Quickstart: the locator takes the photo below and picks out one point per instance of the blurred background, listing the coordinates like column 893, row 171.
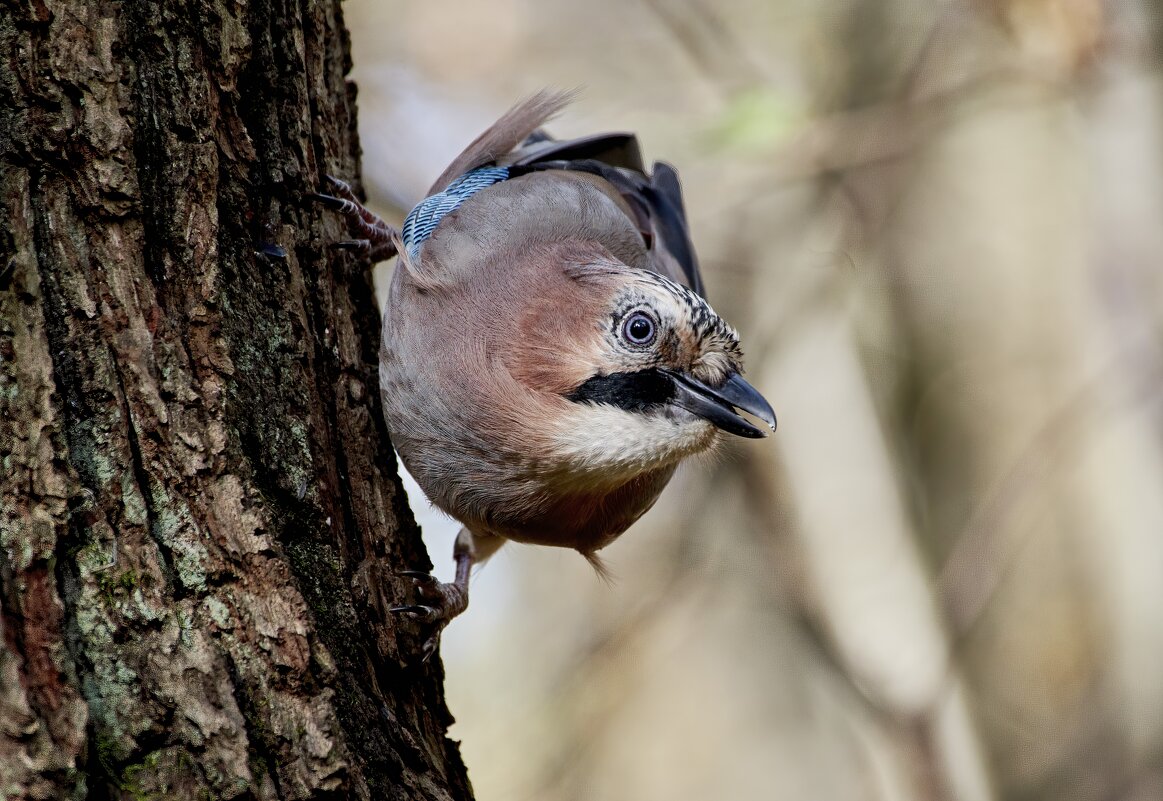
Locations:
column 938, row 227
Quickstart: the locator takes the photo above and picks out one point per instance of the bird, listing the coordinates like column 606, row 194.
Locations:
column 548, row 355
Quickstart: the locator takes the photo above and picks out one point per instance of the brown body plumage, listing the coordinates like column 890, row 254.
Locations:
column 547, row 357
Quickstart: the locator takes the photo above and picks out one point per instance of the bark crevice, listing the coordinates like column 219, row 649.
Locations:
column 196, row 422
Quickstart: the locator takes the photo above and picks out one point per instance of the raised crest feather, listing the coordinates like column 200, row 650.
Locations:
column 505, row 134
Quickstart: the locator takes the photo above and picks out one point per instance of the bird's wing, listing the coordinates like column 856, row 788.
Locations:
column 654, row 200
column 615, row 149
column 516, row 142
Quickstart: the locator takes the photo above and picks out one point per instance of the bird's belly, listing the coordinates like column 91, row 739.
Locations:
column 583, row 520
column 449, row 427
column 523, row 502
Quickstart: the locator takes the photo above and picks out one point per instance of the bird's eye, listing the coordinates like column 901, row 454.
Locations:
column 639, row 329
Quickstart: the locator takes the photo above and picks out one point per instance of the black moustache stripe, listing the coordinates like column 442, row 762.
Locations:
column 639, row 391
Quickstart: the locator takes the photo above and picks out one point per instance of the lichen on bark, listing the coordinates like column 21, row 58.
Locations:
column 200, row 518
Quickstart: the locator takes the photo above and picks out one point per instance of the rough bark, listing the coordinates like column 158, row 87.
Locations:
column 200, row 516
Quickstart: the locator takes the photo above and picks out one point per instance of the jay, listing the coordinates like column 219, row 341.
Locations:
column 548, row 355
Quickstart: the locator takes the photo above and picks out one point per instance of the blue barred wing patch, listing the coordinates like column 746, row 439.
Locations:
column 422, row 220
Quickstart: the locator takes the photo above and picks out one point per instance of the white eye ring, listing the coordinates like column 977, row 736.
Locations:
column 639, row 329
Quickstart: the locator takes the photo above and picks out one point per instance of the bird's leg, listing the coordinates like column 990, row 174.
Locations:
column 376, row 237
column 440, row 602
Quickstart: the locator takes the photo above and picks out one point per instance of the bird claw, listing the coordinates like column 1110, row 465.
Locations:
column 338, row 184
column 330, row 201
column 425, row 614
column 376, row 239
column 438, row 604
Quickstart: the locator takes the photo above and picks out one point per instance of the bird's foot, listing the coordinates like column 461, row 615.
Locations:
column 375, row 238
column 437, row 604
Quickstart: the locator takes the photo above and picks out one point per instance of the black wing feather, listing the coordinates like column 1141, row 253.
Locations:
column 655, row 199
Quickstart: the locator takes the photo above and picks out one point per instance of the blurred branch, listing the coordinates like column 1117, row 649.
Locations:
column 981, row 558
column 681, row 586
column 711, row 46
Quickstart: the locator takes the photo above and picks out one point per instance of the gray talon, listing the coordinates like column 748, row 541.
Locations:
column 419, row 611
column 419, row 575
column 376, row 238
column 330, row 201
column 437, row 602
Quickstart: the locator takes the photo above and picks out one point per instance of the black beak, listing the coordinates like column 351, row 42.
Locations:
column 721, row 405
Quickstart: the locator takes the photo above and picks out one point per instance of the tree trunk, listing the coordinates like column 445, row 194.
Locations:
column 200, row 517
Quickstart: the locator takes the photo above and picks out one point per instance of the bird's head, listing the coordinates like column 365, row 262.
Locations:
column 648, row 371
